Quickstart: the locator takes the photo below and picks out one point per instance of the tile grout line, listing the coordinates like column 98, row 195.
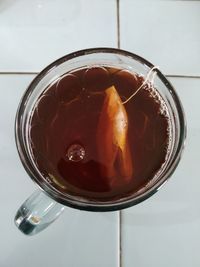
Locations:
column 118, row 24
column 18, row 72
column 182, row 76
column 120, row 238
column 120, row 212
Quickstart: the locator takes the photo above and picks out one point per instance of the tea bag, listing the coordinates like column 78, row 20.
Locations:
column 112, row 140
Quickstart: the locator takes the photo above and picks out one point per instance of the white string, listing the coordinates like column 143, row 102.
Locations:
column 145, row 81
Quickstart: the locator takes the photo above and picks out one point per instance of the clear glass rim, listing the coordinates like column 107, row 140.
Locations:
column 92, row 205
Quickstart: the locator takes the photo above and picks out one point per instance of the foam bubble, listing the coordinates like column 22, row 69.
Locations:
column 75, row 152
column 153, row 93
column 163, row 111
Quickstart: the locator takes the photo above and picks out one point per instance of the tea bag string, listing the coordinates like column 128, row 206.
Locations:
column 145, row 81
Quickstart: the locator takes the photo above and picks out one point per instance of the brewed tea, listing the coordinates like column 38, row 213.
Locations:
column 87, row 141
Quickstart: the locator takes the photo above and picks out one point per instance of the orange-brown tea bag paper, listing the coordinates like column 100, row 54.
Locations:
column 112, row 140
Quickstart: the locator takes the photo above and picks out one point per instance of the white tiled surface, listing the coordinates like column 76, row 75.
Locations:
column 165, row 32
column 76, row 239
column 162, row 231
column 34, row 33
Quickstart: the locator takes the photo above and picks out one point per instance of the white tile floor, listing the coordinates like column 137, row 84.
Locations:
column 165, row 32
column 35, row 33
column 75, row 239
column 162, row 231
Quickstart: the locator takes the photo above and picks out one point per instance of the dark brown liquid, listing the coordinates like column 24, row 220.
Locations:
column 64, row 125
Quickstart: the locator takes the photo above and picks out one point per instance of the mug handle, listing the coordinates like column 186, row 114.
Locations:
column 36, row 213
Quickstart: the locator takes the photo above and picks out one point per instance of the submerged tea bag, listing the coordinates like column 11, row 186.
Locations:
column 112, row 140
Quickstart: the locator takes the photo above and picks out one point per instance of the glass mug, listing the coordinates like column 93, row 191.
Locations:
column 46, row 204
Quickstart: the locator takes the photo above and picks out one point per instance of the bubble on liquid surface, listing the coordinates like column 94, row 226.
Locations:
column 163, row 110
column 75, row 152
